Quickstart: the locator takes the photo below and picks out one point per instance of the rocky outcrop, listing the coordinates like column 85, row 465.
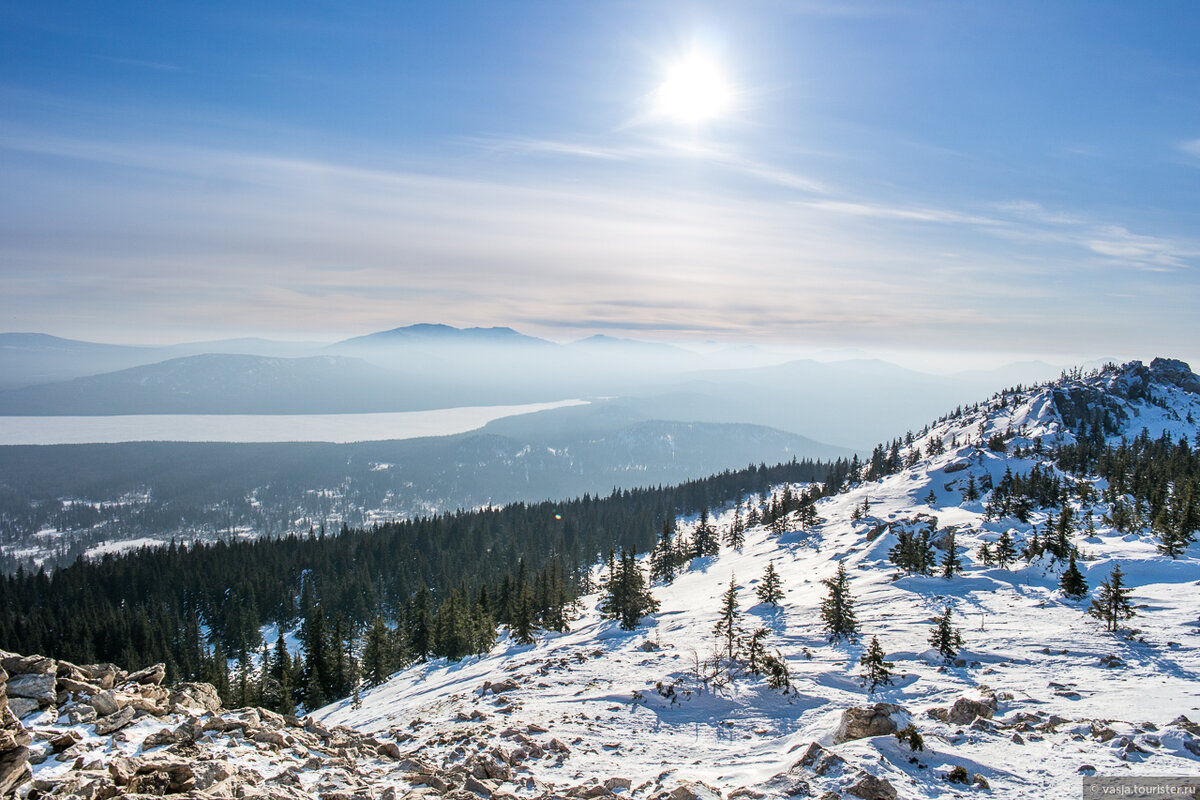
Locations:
column 834, row 774
column 965, row 710
column 862, row 722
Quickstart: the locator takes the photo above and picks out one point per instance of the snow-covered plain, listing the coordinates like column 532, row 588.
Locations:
column 337, row 428
column 1061, row 713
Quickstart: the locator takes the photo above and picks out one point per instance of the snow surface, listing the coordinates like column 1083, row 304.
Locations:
column 337, row 428
column 594, row 688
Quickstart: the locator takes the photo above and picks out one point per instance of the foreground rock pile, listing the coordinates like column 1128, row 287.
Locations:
column 96, row 732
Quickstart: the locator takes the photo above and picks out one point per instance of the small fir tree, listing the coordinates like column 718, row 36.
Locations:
column 972, row 492
column 946, row 638
column 770, row 590
column 876, row 670
column 627, row 599
column 728, row 626
column 704, row 541
column 1112, row 605
column 1072, row 582
column 735, row 537
column 837, row 609
column 664, row 559
column 1006, row 551
column 951, row 563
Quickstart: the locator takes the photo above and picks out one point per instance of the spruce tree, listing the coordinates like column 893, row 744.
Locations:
column 735, row 537
column 876, row 670
column 663, row 558
column 837, row 609
column 524, row 627
column 704, row 541
column 1072, row 582
column 951, row 563
column 627, row 599
column 946, row 639
column 377, row 660
column 770, row 589
column 1112, row 604
column 756, row 652
column 972, row 492
column 284, row 678
column 728, row 625
column 1005, row 550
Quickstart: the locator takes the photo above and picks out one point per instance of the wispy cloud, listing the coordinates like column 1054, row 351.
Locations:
column 177, row 237
column 1191, row 147
column 137, row 62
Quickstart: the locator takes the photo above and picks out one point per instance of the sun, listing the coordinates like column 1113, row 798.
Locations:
column 695, row 90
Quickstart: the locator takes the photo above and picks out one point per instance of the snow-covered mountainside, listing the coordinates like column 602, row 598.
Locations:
column 1039, row 694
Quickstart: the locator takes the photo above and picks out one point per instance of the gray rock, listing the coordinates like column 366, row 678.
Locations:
column 150, row 675
column 27, row 665
column 34, row 686
column 106, row 703
column 869, row 787
column 114, row 722
column 820, row 761
column 195, row 695
column 80, row 714
column 862, row 722
column 104, row 675
column 965, row 710
column 22, row 706
column 14, row 770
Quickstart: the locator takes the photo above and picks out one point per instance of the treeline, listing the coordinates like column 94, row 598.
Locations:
column 439, row 585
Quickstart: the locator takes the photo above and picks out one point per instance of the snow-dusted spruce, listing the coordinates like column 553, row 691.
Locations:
column 877, row 671
column 1072, row 582
column 1111, row 604
column 770, row 589
column 729, row 624
column 946, row 638
column 626, row 596
column 837, row 609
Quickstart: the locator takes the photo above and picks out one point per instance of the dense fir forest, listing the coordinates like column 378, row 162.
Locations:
column 402, row 591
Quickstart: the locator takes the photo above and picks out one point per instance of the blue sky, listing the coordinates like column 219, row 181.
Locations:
column 1002, row 179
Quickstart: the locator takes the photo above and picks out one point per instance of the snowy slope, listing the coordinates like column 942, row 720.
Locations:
column 1060, row 709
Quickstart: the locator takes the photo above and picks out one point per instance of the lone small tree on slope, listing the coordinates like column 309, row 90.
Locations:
column 771, row 589
column 1112, row 604
column 946, row 638
column 1072, row 582
column 837, row 609
column 876, row 671
column 728, row 624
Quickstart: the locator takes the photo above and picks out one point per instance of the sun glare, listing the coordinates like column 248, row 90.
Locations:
column 695, row 90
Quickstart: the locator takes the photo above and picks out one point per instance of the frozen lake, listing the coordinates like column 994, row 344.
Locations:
column 259, row 428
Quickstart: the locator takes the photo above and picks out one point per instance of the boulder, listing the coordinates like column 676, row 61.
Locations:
column 506, row 685
column 195, row 695
column 22, row 706
column 79, row 687
column 107, row 703
column 965, row 710
column 14, row 770
column 79, row 714
column 862, row 722
column 114, row 722
column 28, row 665
column 870, row 787
column 820, row 761
column 34, row 686
column 694, row 790
column 104, row 675
column 152, row 675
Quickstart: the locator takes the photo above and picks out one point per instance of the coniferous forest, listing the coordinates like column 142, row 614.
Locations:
column 397, row 592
